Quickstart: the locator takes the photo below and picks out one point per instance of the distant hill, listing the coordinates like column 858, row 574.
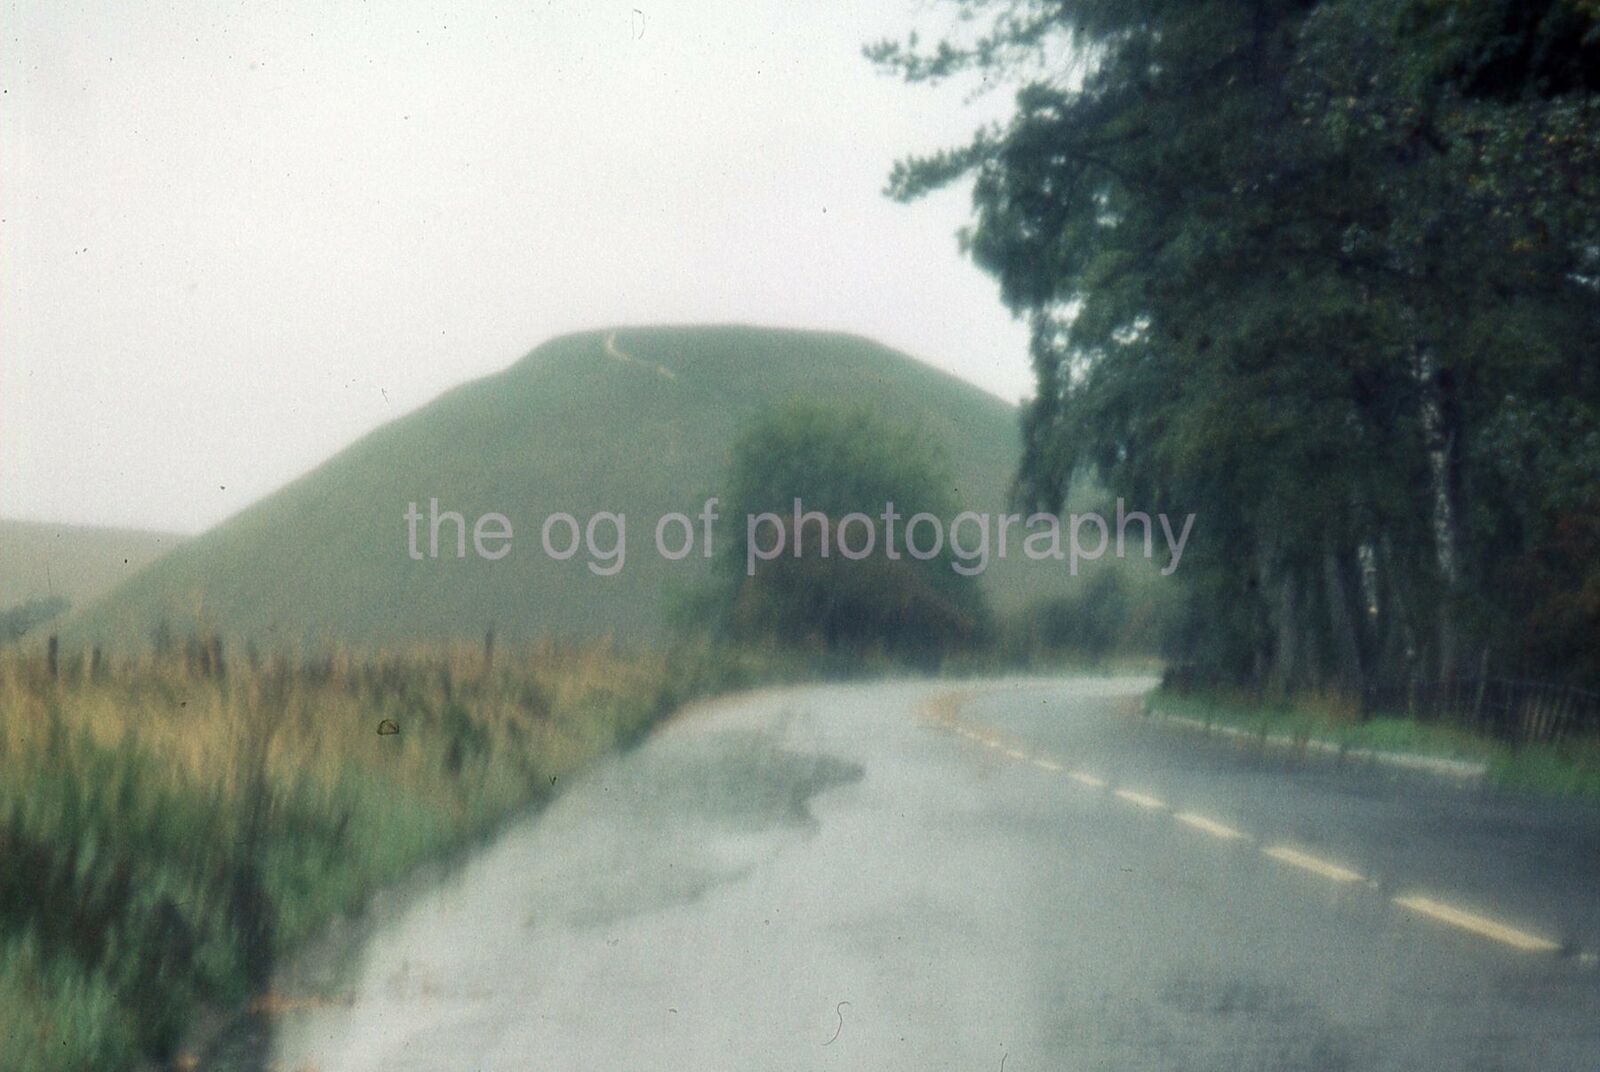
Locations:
column 639, row 421
column 43, row 560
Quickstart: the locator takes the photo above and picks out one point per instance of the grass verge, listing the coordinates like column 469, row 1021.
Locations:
column 1569, row 769
column 168, row 833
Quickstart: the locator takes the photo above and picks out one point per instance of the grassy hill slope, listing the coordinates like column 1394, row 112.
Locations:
column 40, row 560
column 640, row 422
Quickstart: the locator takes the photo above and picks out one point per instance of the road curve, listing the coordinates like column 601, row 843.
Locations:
column 1018, row 875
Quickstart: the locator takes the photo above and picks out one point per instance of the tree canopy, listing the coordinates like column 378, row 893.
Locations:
column 1326, row 272
column 838, row 462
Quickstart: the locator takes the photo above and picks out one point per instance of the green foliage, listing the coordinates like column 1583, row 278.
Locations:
column 1100, row 621
column 837, row 461
column 1308, row 268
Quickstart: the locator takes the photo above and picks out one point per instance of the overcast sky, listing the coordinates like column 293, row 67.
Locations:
column 233, row 238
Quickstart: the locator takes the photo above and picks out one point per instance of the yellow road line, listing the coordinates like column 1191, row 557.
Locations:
column 1315, row 865
column 1210, row 826
column 1456, row 917
column 1479, row 925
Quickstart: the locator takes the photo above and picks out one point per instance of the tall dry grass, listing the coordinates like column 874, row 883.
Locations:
column 171, row 825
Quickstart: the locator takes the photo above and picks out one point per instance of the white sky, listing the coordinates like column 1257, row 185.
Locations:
column 235, row 237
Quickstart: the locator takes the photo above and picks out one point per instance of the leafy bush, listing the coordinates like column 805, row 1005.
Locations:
column 839, row 461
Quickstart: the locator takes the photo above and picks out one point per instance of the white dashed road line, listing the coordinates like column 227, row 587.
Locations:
column 1140, row 799
column 1316, row 865
column 1209, row 826
column 1479, row 925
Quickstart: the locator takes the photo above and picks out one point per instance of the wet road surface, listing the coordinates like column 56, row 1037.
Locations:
column 1015, row 875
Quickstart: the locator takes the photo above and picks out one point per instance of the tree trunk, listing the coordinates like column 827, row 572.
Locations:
column 1285, row 655
column 1344, row 626
column 1449, row 526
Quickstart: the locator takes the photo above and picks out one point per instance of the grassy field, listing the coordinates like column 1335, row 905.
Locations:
column 170, row 828
column 1570, row 769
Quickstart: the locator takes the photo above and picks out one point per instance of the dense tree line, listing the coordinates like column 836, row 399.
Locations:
column 1326, row 272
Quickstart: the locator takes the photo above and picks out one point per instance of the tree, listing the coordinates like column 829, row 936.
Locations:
column 1304, row 268
column 838, row 462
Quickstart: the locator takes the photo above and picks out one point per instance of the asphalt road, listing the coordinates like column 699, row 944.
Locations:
column 1015, row 876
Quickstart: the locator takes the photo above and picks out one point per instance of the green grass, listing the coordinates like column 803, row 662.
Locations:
column 567, row 428
column 166, row 836
column 1570, row 769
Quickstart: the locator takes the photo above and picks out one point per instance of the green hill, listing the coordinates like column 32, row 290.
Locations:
column 639, row 421
column 44, row 560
